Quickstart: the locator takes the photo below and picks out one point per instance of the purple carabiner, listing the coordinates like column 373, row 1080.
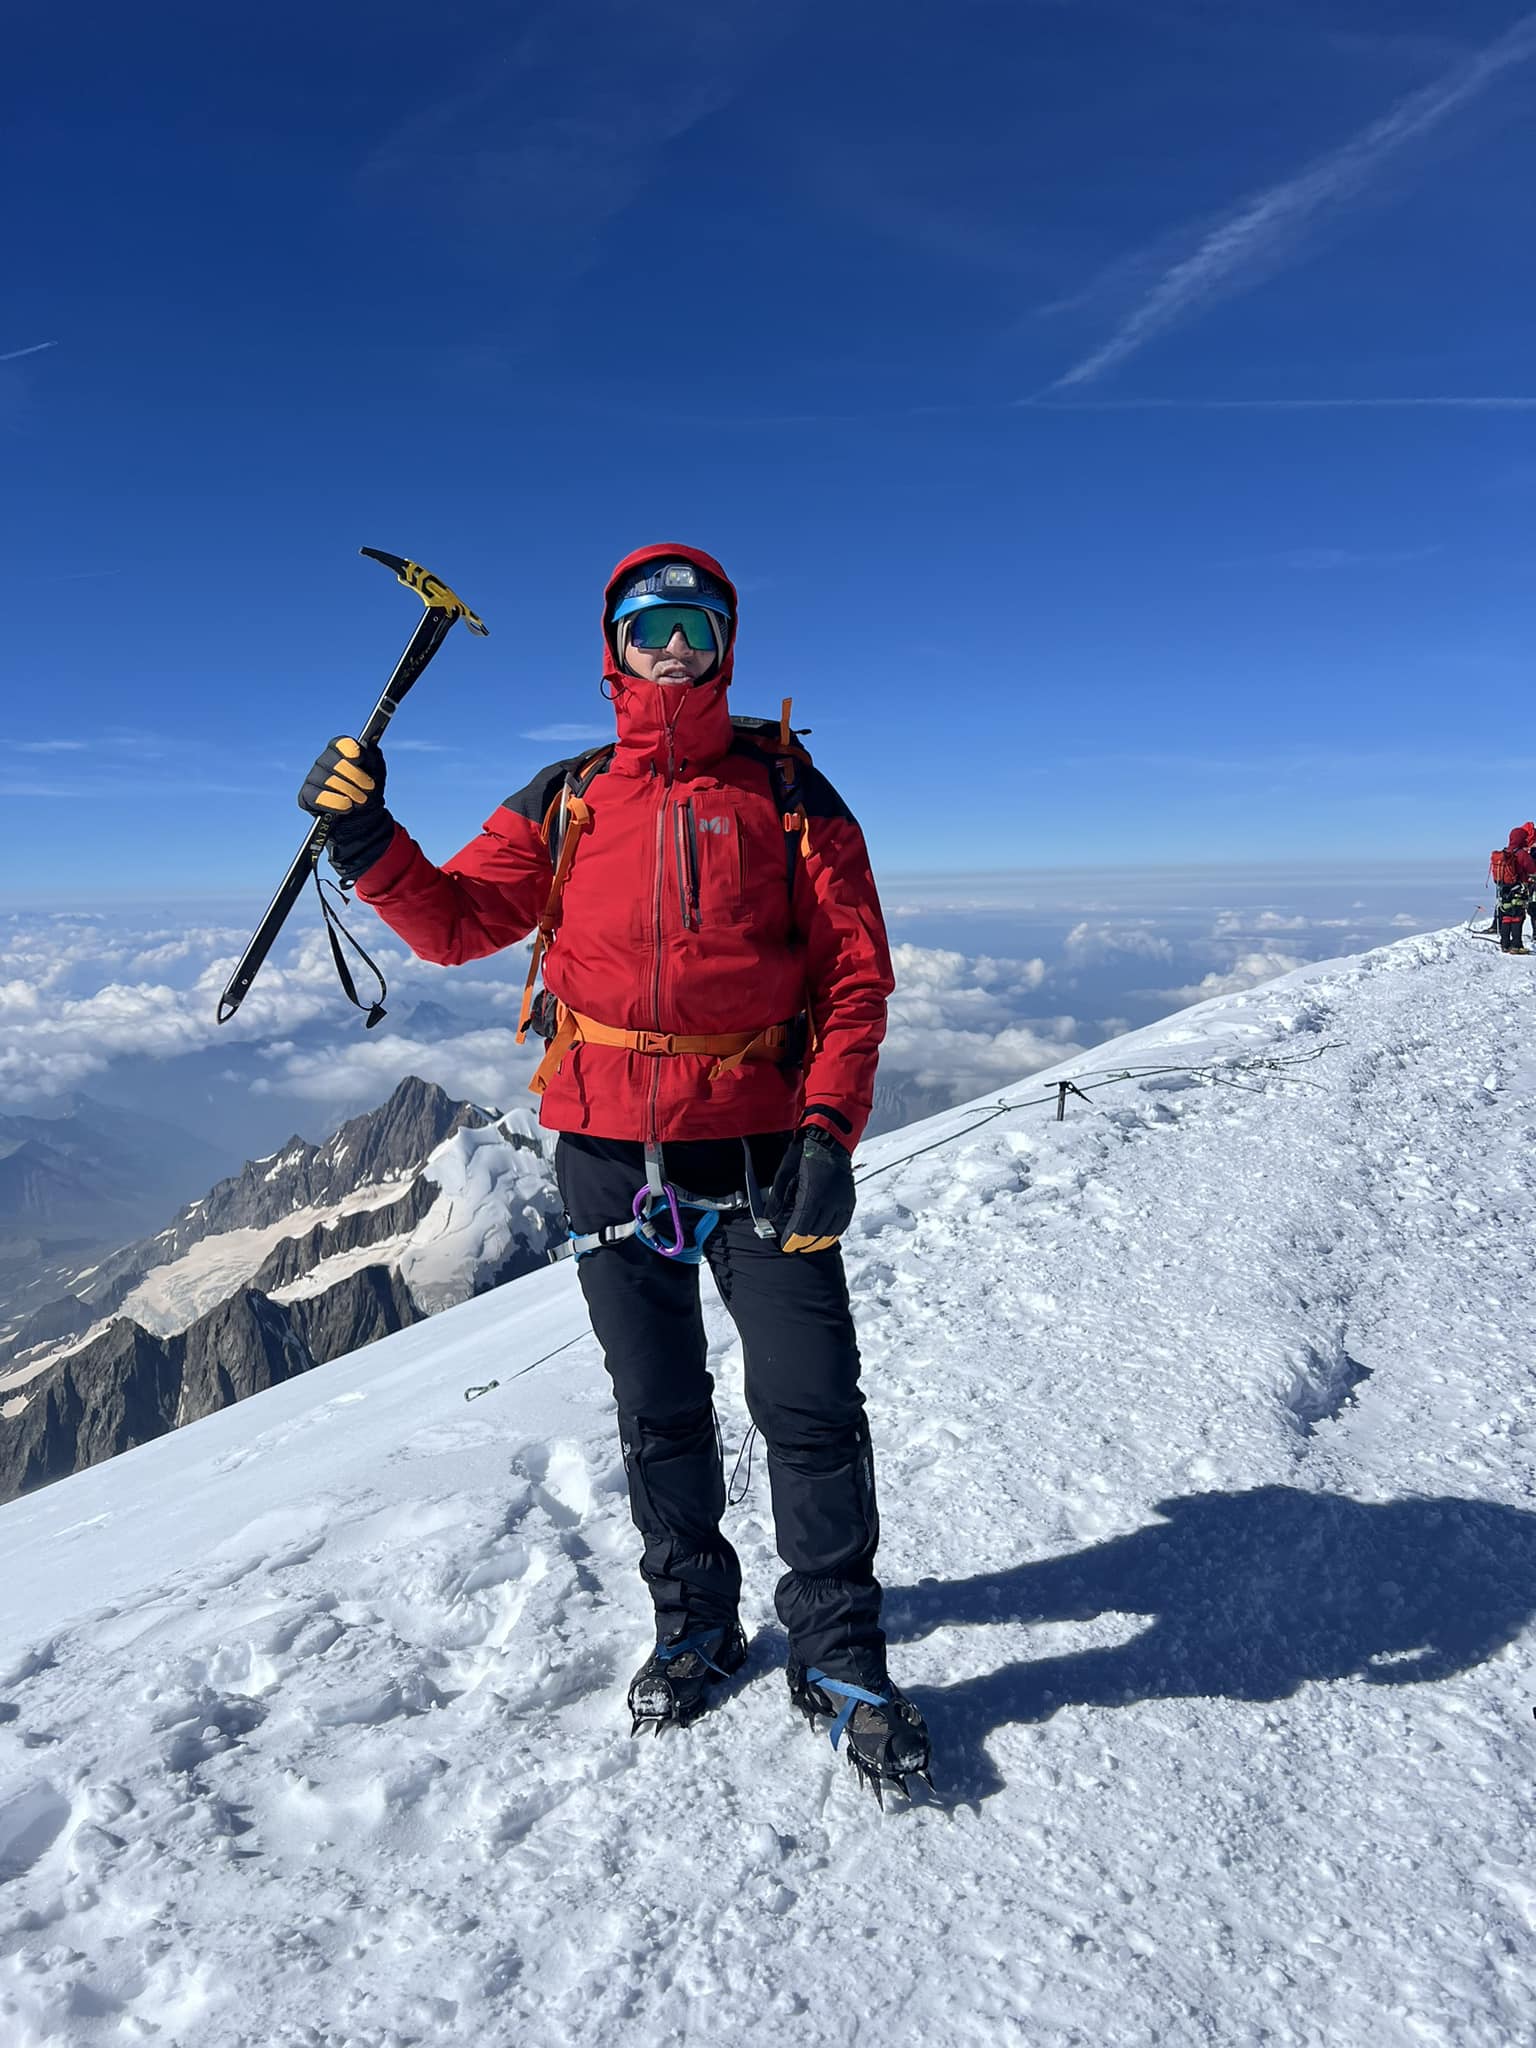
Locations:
column 668, row 1251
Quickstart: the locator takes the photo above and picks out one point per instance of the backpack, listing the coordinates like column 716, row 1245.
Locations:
column 1503, row 868
column 777, row 745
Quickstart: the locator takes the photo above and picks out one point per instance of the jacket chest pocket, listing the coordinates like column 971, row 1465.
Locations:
column 732, row 865
column 714, row 860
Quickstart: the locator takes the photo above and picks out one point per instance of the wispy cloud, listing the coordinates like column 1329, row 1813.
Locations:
column 49, row 746
column 14, row 355
column 1492, row 402
column 1308, row 559
column 545, row 139
column 568, row 735
column 1256, row 240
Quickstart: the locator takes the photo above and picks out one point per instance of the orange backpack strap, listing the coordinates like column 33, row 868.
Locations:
column 786, row 783
column 728, row 1049
column 568, row 816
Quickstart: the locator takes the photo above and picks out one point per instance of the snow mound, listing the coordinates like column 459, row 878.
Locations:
column 496, row 1195
column 1207, row 1443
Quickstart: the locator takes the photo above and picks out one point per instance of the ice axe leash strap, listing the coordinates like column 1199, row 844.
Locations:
column 336, row 931
column 443, row 607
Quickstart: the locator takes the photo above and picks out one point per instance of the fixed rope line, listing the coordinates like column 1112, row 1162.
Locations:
column 474, row 1393
column 1209, row 1070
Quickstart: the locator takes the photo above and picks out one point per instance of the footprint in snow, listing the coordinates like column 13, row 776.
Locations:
column 403, row 1700
column 31, row 1664
column 561, row 1481
column 31, row 1821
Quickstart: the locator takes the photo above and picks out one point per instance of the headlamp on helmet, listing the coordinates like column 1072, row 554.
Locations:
column 671, row 585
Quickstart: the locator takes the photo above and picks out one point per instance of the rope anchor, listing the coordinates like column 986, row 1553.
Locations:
column 1063, row 1090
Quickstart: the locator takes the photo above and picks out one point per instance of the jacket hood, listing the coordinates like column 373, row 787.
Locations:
column 662, row 724
column 1520, row 836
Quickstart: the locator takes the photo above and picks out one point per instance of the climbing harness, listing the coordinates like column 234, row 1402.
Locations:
column 659, row 1205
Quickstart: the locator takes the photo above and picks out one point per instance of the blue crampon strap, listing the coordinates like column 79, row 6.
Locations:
column 668, row 1653
column 851, row 1696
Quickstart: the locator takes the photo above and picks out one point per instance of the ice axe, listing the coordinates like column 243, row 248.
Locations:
column 442, row 609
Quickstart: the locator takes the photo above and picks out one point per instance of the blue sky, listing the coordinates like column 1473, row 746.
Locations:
column 1102, row 407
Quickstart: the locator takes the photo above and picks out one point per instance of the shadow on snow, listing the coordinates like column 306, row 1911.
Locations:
column 1251, row 1594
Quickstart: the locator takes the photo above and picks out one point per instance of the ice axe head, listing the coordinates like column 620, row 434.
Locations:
column 432, row 591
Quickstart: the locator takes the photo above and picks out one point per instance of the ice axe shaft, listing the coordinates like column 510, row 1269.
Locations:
column 443, row 608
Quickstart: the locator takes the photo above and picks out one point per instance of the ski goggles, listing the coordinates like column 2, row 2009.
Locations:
column 653, row 626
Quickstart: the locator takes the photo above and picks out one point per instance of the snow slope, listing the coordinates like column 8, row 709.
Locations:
column 1205, row 1429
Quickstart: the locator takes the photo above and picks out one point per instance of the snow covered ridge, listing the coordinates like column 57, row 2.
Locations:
column 1206, row 1434
column 447, row 1203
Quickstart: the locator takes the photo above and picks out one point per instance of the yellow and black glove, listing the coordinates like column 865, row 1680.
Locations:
column 810, row 1204
column 346, row 787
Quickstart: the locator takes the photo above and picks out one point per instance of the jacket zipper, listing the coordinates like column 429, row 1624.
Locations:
column 688, row 843
column 661, row 873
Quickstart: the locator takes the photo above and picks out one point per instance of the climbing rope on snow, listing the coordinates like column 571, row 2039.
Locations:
column 474, row 1393
column 1217, row 1073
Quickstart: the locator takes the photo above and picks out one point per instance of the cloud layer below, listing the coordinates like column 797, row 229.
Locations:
column 998, row 977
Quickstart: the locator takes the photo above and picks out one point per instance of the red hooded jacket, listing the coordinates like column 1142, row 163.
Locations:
column 1521, row 851
column 676, row 917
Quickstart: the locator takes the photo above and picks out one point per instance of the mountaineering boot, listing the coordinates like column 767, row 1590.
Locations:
column 887, row 1736
column 673, row 1685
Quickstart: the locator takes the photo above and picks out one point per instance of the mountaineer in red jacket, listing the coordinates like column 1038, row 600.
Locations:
column 715, row 982
column 1513, row 868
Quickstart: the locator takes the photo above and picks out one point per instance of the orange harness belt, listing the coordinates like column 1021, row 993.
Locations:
column 729, row 1048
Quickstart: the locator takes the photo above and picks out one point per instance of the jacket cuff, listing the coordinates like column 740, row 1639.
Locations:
column 832, row 1121
column 374, row 863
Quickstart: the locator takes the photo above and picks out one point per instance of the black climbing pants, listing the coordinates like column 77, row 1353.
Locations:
column 802, row 1387
column 1512, row 901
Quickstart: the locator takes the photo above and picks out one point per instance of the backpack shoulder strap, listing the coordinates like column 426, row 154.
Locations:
column 577, row 780
column 779, row 746
column 566, row 818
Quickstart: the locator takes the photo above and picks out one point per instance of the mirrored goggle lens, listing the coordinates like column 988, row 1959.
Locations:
column 653, row 627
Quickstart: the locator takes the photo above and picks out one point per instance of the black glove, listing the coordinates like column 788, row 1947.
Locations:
column 810, row 1204
column 346, row 786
